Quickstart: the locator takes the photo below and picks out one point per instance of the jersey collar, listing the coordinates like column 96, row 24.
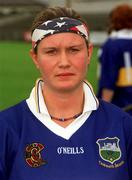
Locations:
column 121, row 34
column 38, row 107
column 90, row 102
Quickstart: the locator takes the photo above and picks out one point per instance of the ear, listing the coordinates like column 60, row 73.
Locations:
column 90, row 50
column 34, row 58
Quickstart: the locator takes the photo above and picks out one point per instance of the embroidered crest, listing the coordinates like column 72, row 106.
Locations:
column 33, row 155
column 109, row 149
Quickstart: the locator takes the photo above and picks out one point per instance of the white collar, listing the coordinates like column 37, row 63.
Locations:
column 122, row 34
column 38, row 107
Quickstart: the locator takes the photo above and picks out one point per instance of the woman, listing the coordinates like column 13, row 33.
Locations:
column 62, row 131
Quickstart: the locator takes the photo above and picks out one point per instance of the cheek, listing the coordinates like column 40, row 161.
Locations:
column 44, row 66
column 82, row 63
column 45, row 69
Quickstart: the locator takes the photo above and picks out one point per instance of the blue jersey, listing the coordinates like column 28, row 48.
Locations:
column 116, row 70
column 100, row 149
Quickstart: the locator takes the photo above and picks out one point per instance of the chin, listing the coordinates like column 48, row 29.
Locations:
column 67, row 87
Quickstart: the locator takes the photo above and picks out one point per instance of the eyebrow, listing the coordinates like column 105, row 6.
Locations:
column 76, row 45
column 71, row 46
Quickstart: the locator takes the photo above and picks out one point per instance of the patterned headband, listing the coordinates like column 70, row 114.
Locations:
column 59, row 25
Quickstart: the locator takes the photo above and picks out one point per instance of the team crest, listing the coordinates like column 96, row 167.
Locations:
column 109, row 149
column 33, row 155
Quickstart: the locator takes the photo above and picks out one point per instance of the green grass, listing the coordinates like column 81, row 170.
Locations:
column 18, row 74
column 92, row 70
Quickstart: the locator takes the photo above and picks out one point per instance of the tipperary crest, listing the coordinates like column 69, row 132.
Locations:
column 33, row 155
column 109, row 149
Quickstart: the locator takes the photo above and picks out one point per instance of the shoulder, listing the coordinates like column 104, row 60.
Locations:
column 111, row 108
column 109, row 43
column 114, row 114
column 109, row 116
column 13, row 109
column 14, row 114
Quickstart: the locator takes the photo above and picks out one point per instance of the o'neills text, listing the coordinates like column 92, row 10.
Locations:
column 70, row 150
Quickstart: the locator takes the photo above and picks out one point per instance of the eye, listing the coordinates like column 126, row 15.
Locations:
column 51, row 52
column 74, row 50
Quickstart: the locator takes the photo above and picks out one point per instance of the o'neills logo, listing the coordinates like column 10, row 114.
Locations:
column 33, row 155
column 70, row 150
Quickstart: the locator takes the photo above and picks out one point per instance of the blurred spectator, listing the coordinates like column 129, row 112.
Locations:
column 115, row 59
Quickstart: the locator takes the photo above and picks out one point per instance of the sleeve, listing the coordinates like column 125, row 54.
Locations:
column 109, row 63
column 8, row 148
column 128, row 137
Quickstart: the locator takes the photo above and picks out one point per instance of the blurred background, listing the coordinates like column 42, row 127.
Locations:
column 17, row 72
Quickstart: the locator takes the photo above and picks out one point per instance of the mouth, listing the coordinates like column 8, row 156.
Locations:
column 65, row 74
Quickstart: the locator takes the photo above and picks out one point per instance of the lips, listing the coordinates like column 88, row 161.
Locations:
column 65, row 74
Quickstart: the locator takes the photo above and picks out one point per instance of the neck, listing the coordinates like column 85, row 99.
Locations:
column 64, row 105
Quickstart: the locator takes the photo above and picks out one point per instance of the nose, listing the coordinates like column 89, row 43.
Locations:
column 64, row 60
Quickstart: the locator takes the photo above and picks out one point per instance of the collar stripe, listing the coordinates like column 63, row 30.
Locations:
column 96, row 100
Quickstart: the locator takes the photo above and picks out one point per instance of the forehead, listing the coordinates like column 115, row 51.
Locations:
column 65, row 39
